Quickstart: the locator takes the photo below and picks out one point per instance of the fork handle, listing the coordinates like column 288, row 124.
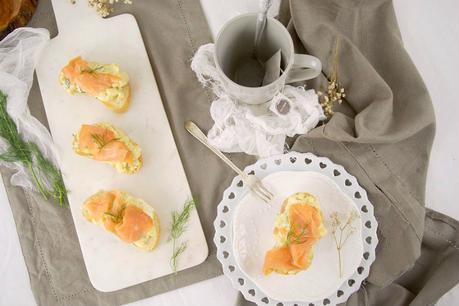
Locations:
column 194, row 130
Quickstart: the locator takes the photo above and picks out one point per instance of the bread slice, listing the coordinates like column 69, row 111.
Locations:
column 121, row 103
column 122, row 167
column 80, row 76
column 293, row 249
column 282, row 225
column 107, row 209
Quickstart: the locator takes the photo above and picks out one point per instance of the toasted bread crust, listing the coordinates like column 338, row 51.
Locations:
column 138, row 203
column 116, row 105
column 125, row 104
column 138, row 160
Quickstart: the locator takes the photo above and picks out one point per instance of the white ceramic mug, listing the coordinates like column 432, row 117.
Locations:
column 235, row 41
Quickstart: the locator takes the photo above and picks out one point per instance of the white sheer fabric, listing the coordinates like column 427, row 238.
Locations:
column 255, row 129
column 19, row 53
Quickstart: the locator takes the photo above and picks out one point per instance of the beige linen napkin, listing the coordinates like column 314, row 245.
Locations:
column 382, row 134
column 384, row 130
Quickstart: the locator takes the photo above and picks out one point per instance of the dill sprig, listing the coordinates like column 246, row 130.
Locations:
column 178, row 227
column 293, row 237
column 101, row 141
column 46, row 177
column 92, row 70
column 179, row 220
column 115, row 218
column 176, row 252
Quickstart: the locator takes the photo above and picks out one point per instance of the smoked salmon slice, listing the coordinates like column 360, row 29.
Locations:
column 305, row 221
column 100, row 204
column 134, row 225
column 297, row 230
column 130, row 219
column 114, row 151
column 278, row 259
column 301, row 253
column 92, row 136
column 103, row 142
column 105, row 82
column 89, row 80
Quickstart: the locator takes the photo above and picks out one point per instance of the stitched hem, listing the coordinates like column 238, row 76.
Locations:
column 71, row 296
column 40, row 250
column 391, row 202
column 442, row 237
column 383, row 161
column 185, row 22
column 191, row 41
column 59, row 299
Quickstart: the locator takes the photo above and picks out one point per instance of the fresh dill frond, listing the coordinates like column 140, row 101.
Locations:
column 293, row 237
column 101, row 141
column 179, row 220
column 115, row 218
column 92, row 70
column 178, row 227
column 176, row 252
column 46, row 177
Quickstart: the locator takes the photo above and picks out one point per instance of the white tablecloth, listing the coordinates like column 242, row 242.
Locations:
column 431, row 33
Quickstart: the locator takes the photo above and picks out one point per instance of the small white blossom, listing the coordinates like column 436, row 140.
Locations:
column 341, row 229
column 103, row 7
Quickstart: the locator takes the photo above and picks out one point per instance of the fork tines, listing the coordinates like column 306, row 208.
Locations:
column 262, row 192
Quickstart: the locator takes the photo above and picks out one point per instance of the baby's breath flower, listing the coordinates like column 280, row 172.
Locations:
column 335, row 92
column 341, row 229
column 104, row 7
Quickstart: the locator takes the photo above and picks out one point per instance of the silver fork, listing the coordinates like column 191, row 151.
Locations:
column 250, row 180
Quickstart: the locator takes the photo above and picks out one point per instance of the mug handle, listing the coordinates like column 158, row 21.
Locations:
column 305, row 67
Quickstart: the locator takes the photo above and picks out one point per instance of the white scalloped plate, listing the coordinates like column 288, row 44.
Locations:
column 304, row 171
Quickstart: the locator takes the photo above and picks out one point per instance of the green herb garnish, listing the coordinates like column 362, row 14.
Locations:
column 92, row 70
column 178, row 226
column 101, row 141
column 176, row 252
column 115, row 218
column 293, row 237
column 46, row 177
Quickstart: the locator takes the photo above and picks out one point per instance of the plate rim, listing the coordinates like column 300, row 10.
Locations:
column 294, row 161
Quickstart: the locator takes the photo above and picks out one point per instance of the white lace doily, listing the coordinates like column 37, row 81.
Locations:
column 293, row 161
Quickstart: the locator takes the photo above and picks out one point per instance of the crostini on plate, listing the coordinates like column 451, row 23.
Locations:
column 297, row 229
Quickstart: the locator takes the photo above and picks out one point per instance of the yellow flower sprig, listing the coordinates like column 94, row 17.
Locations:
column 335, row 92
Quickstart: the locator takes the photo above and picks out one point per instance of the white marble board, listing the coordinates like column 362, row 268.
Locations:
column 112, row 264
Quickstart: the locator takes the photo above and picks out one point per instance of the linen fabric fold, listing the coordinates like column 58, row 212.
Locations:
column 383, row 131
column 382, row 134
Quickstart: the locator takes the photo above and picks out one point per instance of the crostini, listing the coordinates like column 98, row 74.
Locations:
column 104, row 142
column 297, row 229
column 105, row 82
column 129, row 218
